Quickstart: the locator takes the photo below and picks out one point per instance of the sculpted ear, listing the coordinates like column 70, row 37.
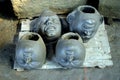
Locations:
column 102, row 19
column 70, row 17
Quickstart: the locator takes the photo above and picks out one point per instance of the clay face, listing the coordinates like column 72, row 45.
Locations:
column 84, row 20
column 30, row 51
column 48, row 24
column 70, row 51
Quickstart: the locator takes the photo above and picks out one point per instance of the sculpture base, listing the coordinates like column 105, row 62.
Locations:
column 97, row 50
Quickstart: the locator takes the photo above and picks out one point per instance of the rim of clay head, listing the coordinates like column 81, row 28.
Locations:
column 71, row 35
column 87, row 9
column 31, row 36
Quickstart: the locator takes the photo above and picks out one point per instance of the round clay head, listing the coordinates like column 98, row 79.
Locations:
column 30, row 51
column 48, row 24
column 70, row 51
column 85, row 20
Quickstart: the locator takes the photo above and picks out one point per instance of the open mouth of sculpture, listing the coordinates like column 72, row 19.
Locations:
column 70, row 36
column 33, row 37
column 87, row 10
column 73, row 37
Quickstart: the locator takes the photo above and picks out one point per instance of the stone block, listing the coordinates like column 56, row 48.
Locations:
column 32, row 8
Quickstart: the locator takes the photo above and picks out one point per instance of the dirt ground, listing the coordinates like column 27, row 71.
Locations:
column 7, row 49
column 8, row 28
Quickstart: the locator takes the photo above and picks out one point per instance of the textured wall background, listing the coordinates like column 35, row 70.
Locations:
column 110, row 8
column 32, row 8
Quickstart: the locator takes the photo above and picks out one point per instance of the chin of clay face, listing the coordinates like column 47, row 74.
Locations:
column 49, row 25
column 85, row 20
column 70, row 51
column 30, row 51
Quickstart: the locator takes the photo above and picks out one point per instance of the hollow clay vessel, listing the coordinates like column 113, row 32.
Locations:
column 48, row 25
column 85, row 20
column 70, row 52
column 30, row 51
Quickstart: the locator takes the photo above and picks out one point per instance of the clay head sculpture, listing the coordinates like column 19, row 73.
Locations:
column 30, row 51
column 70, row 52
column 85, row 20
column 48, row 24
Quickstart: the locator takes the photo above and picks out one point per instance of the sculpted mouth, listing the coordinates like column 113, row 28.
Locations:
column 49, row 28
column 87, row 36
column 50, row 31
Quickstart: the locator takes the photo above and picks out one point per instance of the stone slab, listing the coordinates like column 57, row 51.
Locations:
column 97, row 51
column 25, row 26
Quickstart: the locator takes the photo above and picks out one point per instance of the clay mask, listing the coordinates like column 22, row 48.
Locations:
column 85, row 20
column 48, row 24
column 70, row 51
column 30, row 51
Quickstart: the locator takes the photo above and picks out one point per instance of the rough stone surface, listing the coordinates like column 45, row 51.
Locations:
column 7, row 29
column 110, row 8
column 97, row 49
column 25, row 26
column 32, row 8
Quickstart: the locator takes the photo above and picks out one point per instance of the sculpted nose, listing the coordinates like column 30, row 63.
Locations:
column 87, row 32
column 70, row 55
column 49, row 22
column 28, row 60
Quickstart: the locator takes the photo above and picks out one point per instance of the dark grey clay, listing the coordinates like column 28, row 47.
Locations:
column 48, row 25
column 30, row 51
column 70, row 51
column 85, row 20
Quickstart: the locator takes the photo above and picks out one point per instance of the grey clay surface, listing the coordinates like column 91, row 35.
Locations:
column 84, row 20
column 70, row 52
column 30, row 51
column 48, row 25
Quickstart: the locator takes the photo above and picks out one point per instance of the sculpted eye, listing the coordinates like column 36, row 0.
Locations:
column 45, row 22
column 53, row 20
column 63, row 60
column 84, row 27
